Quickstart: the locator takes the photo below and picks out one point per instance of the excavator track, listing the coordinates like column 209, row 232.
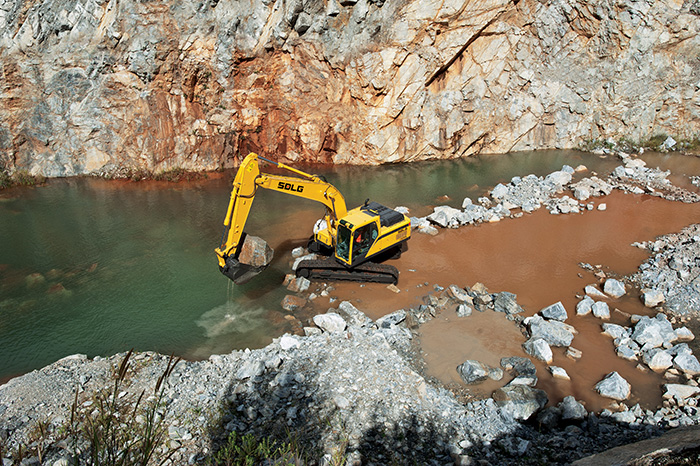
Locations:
column 329, row 269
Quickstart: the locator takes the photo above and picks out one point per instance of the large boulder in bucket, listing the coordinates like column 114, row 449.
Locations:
column 254, row 257
column 255, row 252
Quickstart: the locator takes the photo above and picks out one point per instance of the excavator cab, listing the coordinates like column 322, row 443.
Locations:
column 368, row 231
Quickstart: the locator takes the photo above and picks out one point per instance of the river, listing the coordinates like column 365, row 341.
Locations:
column 97, row 267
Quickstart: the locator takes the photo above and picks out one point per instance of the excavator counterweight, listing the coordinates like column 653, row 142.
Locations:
column 356, row 239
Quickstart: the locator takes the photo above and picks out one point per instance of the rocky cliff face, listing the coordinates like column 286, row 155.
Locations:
column 112, row 86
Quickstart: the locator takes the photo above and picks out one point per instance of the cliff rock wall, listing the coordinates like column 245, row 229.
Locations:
column 115, row 86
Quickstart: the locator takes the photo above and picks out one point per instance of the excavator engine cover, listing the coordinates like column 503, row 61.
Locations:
column 239, row 272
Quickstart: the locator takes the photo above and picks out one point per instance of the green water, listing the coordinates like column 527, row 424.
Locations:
column 98, row 267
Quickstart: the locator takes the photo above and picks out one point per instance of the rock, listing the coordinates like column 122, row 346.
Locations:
column 684, row 334
column 499, row 192
column 558, row 179
column 549, row 417
column 584, row 306
column 299, row 260
column 594, row 292
column 559, row 373
column 614, row 330
column 668, row 143
column 428, row 230
column 614, row 386
column 572, row 410
column 582, row 193
column 250, row 369
column 523, row 380
column 624, row 417
column 59, row 290
column 393, row 288
column 519, row 366
column 330, row 322
column 573, row 353
column 555, row 311
column 293, row 303
column 681, row 348
column 601, row 310
column 538, row 348
column 554, row 333
column 653, row 331
column 298, row 284
column 459, row 294
column 495, row 373
column 679, row 391
column 312, row 331
column 395, row 318
column 627, row 352
column 473, row 372
column 352, row 315
column 687, row 363
column 255, row 251
column 658, row 360
column 614, row 288
column 506, row 302
column 111, row 104
column 444, row 216
column 652, row 298
column 602, row 206
column 464, row 311
column 520, row 401
column 288, row 342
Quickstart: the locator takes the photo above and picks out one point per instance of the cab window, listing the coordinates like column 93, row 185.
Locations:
column 343, row 247
column 363, row 239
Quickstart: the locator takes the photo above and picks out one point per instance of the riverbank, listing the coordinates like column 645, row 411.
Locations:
column 354, row 387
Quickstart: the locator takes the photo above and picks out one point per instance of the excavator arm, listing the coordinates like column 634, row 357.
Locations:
column 245, row 185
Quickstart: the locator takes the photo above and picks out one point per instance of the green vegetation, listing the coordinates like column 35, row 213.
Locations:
column 691, row 146
column 655, row 141
column 178, row 174
column 246, row 450
column 19, row 178
column 113, row 428
column 121, row 431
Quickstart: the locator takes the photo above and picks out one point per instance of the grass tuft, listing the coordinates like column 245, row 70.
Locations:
column 122, row 431
column 246, row 450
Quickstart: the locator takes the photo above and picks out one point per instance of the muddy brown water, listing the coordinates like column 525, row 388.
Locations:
column 536, row 257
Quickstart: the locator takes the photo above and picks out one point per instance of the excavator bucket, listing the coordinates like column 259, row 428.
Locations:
column 254, row 257
column 239, row 272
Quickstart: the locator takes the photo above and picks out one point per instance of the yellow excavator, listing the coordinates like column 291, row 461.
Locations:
column 354, row 241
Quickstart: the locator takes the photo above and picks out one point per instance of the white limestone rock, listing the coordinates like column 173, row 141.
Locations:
column 614, row 386
column 614, row 288
column 330, row 322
